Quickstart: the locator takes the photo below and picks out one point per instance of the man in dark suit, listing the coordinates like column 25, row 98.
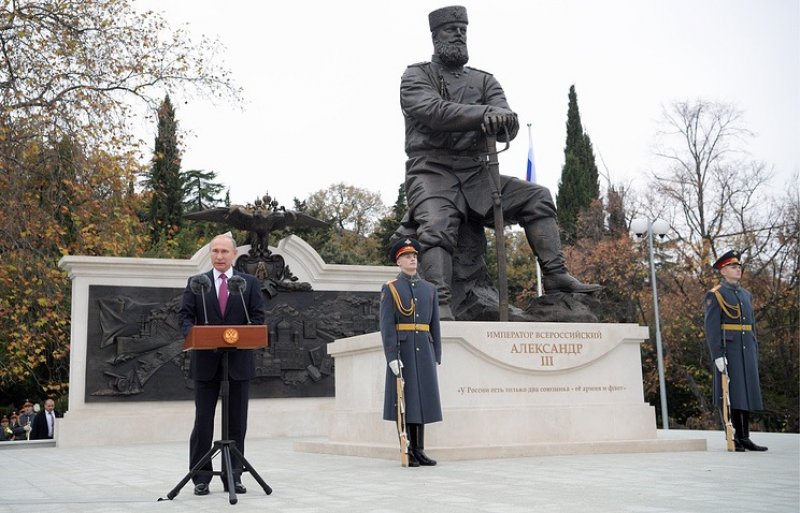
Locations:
column 43, row 427
column 206, row 365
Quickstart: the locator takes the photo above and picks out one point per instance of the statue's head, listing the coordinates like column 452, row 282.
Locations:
column 449, row 34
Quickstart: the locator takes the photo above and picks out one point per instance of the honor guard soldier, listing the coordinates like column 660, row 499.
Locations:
column 409, row 321
column 731, row 336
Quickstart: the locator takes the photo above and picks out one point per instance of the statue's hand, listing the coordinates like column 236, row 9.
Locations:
column 500, row 121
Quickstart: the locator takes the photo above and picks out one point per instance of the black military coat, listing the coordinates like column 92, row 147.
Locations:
column 731, row 332
column 420, row 351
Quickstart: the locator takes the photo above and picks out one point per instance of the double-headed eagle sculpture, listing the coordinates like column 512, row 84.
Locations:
column 259, row 219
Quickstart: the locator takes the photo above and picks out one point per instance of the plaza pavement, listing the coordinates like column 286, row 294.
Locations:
column 133, row 478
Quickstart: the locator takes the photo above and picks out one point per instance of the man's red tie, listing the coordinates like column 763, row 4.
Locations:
column 223, row 293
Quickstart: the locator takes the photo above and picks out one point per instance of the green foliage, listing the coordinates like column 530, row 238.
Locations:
column 388, row 224
column 200, row 190
column 578, row 186
column 351, row 214
column 164, row 180
column 57, row 201
column 71, row 75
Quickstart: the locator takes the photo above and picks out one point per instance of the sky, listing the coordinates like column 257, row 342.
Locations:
column 321, row 84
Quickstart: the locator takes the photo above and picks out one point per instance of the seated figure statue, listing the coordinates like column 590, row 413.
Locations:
column 449, row 110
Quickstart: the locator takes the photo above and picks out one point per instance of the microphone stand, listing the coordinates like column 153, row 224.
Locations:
column 225, row 446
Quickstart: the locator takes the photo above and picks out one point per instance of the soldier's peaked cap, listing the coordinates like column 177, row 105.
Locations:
column 402, row 246
column 731, row 257
column 451, row 14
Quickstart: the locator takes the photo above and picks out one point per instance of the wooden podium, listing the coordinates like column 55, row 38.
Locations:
column 246, row 336
column 227, row 339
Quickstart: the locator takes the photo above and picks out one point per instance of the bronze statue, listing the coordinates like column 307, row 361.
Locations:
column 449, row 110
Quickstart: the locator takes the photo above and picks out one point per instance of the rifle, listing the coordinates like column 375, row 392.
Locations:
column 725, row 382
column 402, row 434
column 499, row 224
column 726, row 410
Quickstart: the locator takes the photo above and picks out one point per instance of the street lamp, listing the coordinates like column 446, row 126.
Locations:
column 645, row 228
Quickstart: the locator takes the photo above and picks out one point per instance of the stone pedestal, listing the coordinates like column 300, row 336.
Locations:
column 507, row 389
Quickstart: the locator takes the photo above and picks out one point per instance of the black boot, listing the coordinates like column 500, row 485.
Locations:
column 436, row 266
column 419, row 448
column 544, row 238
column 738, row 430
column 734, row 422
column 411, row 430
column 746, row 442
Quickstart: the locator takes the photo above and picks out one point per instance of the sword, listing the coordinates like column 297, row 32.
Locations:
column 499, row 224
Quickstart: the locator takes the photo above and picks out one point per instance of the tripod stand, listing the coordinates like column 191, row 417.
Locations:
column 224, row 448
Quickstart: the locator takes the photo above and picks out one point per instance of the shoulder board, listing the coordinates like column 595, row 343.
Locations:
column 478, row 70
column 419, row 64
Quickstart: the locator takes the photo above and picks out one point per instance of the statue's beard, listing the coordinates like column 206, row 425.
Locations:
column 454, row 54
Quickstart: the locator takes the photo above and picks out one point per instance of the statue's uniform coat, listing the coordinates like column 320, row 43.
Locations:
column 446, row 151
column 741, row 347
column 420, row 351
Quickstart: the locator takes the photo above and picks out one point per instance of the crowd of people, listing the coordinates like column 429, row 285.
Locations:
column 30, row 422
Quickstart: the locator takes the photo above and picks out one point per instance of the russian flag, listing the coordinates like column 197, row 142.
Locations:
column 531, row 173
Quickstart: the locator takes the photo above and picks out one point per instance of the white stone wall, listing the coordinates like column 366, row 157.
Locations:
column 147, row 422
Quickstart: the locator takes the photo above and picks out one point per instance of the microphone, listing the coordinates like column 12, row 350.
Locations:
column 237, row 285
column 199, row 285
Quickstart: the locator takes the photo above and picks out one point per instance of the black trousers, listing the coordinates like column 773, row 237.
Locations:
column 206, row 394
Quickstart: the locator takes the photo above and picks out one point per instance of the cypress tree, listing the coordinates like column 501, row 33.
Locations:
column 578, row 185
column 164, row 179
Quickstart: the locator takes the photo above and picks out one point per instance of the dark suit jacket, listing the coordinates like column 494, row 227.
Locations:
column 39, row 425
column 205, row 364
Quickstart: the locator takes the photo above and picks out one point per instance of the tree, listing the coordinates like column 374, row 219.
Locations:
column 578, row 185
column 73, row 75
column 164, row 179
column 74, row 67
column 347, row 207
column 200, row 190
column 712, row 195
column 391, row 221
column 352, row 214
column 63, row 200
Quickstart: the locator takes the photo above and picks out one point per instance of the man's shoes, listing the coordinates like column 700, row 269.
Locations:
column 412, row 459
column 737, row 445
column 239, row 488
column 423, row 458
column 750, row 446
column 201, row 489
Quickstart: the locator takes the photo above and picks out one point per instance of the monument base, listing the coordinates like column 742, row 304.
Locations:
column 445, row 453
column 507, row 390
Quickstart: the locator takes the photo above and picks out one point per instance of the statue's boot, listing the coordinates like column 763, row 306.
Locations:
column 437, row 268
column 545, row 240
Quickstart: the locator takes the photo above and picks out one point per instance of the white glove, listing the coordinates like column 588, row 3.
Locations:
column 396, row 365
column 27, row 427
column 721, row 362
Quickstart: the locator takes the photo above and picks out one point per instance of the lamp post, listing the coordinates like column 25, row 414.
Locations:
column 646, row 228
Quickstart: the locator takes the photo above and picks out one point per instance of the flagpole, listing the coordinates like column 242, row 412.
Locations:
column 531, row 177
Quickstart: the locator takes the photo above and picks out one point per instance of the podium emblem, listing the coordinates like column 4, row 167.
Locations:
column 230, row 336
